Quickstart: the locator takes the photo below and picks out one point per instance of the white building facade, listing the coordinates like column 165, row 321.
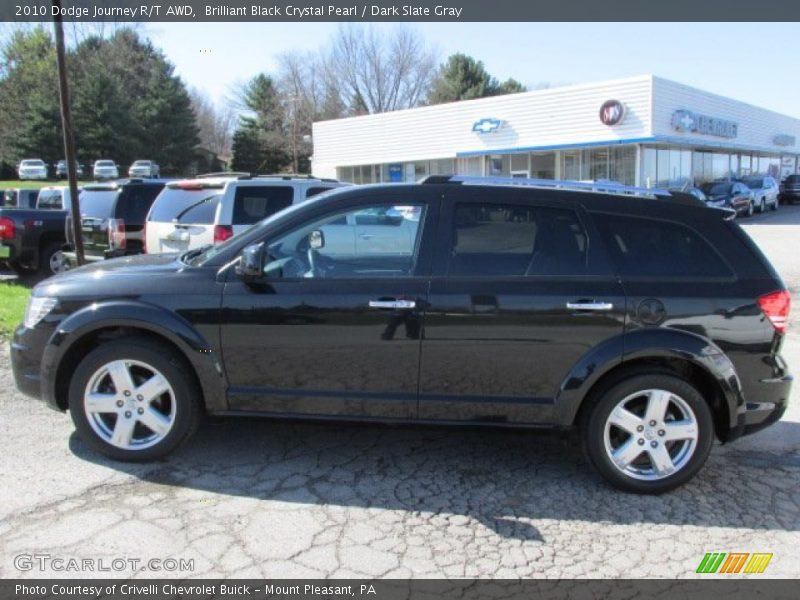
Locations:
column 644, row 131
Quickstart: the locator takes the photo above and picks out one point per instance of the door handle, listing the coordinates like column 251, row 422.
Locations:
column 590, row 305
column 392, row 304
column 366, row 236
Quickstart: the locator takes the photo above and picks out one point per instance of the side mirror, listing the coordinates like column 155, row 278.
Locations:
column 251, row 262
column 316, row 239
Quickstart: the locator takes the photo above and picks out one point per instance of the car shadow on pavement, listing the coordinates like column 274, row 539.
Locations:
column 788, row 214
column 506, row 480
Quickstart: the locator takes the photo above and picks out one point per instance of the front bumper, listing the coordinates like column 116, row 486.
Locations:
column 27, row 349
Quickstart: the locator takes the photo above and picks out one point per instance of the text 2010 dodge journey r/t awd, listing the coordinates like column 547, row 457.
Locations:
column 645, row 320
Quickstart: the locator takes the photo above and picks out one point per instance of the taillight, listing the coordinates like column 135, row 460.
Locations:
column 222, row 233
column 776, row 307
column 144, row 238
column 7, row 229
column 116, row 234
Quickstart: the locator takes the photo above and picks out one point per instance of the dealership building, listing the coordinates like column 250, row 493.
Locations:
column 644, row 131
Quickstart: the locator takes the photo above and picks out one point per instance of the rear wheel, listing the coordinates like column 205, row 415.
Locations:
column 133, row 400
column 775, row 204
column 52, row 260
column 649, row 434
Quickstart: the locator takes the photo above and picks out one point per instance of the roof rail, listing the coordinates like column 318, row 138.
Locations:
column 295, row 176
column 237, row 174
column 606, row 187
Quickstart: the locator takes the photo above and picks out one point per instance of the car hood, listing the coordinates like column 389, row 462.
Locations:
column 117, row 274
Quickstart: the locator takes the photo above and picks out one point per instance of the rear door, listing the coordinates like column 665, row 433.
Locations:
column 521, row 293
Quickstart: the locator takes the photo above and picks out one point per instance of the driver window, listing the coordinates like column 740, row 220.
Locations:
column 380, row 240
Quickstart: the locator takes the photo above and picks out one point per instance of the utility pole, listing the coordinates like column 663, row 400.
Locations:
column 69, row 138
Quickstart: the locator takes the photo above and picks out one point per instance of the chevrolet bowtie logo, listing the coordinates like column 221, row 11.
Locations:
column 487, row 125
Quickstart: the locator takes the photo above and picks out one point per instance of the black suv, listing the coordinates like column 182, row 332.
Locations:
column 790, row 189
column 648, row 324
column 113, row 218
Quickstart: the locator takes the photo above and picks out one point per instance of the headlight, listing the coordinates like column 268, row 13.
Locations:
column 38, row 308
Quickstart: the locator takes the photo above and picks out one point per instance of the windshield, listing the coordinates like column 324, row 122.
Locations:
column 32, row 163
column 141, row 163
column 194, row 207
column 213, row 251
column 104, row 163
column 97, row 203
column 716, row 189
column 754, row 184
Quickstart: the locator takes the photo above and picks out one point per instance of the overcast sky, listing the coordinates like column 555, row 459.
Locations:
column 752, row 62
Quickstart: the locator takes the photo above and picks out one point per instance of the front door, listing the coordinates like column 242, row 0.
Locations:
column 521, row 294
column 334, row 327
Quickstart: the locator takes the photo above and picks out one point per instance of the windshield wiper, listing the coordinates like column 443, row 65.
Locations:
column 177, row 217
column 187, row 256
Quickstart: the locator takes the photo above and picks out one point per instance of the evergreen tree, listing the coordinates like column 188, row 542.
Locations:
column 464, row 78
column 259, row 141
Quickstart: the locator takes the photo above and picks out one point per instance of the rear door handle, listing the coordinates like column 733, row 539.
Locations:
column 590, row 305
column 392, row 304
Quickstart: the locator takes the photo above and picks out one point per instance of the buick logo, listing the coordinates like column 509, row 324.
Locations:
column 612, row 112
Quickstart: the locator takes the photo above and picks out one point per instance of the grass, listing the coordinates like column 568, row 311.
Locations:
column 13, row 298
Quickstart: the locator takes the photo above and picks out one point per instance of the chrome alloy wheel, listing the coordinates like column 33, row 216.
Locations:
column 651, row 434
column 129, row 404
column 58, row 263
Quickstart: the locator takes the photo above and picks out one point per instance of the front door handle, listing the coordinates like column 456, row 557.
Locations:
column 590, row 305
column 392, row 304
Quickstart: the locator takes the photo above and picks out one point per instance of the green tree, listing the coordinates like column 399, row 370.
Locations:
column 29, row 111
column 464, row 78
column 259, row 142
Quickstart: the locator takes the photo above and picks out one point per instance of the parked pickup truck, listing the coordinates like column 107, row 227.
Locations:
column 32, row 239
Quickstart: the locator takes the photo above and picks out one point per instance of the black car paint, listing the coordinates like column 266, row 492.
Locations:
column 313, row 348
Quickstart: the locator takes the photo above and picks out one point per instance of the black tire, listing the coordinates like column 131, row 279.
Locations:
column 775, row 204
column 48, row 258
column 750, row 209
column 593, row 433
column 762, row 207
column 185, row 396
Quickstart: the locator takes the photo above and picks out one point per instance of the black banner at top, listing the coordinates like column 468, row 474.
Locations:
column 403, row 11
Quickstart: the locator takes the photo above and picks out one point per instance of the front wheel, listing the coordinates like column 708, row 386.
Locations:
column 133, row 400
column 762, row 208
column 750, row 208
column 649, row 434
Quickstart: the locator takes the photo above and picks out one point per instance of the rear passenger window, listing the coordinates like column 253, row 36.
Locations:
column 650, row 248
column 495, row 240
column 254, row 203
column 313, row 191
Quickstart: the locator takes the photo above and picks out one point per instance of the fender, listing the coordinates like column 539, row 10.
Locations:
column 138, row 315
column 649, row 343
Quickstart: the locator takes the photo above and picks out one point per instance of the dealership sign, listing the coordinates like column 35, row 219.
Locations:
column 612, row 112
column 487, row 125
column 784, row 140
column 689, row 122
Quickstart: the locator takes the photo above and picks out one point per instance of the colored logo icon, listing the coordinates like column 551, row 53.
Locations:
column 734, row 562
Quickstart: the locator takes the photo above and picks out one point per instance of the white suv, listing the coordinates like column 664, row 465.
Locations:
column 105, row 169
column 211, row 209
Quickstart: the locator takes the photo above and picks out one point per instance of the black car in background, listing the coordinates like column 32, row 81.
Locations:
column 790, row 189
column 113, row 218
column 729, row 194
column 640, row 319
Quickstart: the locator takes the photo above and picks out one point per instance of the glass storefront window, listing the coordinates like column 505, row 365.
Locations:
column 519, row 163
column 571, row 165
column 622, row 166
column 595, row 164
column 543, row 166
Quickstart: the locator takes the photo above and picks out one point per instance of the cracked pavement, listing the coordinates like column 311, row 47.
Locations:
column 255, row 498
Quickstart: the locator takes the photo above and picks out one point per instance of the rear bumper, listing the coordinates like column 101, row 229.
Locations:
column 764, row 407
